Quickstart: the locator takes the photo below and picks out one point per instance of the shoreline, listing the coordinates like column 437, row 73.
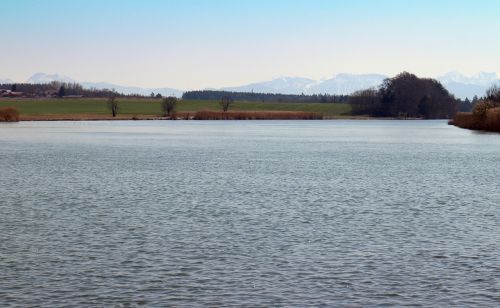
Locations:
column 53, row 118
column 187, row 116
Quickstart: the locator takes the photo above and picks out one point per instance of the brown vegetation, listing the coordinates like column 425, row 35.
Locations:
column 490, row 121
column 256, row 115
column 9, row 114
column 484, row 116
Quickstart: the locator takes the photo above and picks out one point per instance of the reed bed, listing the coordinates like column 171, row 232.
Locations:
column 9, row 114
column 257, row 115
column 489, row 122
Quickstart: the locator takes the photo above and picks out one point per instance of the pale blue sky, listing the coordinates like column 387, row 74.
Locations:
column 191, row 44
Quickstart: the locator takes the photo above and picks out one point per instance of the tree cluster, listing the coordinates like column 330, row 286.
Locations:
column 168, row 105
column 58, row 89
column 265, row 97
column 406, row 96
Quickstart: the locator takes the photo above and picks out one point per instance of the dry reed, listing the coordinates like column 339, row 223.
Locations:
column 256, row 115
column 9, row 114
column 489, row 122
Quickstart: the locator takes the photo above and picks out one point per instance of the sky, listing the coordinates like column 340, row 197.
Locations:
column 194, row 44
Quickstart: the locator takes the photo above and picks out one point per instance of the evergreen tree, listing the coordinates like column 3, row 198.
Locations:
column 62, row 91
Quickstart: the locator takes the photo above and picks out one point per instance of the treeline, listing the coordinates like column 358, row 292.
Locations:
column 406, row 96
column 58, row 89
column 265, row 97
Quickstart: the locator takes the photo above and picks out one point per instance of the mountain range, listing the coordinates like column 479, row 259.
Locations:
column 460, row 85
column 46, row 78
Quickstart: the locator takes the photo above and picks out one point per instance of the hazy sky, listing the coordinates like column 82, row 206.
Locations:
column 191, row 44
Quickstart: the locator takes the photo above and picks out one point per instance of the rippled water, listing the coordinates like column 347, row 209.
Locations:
column 276, row 213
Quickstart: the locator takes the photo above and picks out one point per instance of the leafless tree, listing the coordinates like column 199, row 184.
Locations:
column 226, row 102
column 493, row 93
column 113, row 105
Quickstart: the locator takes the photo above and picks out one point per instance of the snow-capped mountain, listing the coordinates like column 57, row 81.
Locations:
column 347, row 83
column 132, row 90
column 460, row 85
column 285, row 85
column 5, row 81
column 46, row 78
column 463, row 86
column 482, row 78
column 338, row 84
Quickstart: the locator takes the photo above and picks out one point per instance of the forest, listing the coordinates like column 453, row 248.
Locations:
column 266, row 97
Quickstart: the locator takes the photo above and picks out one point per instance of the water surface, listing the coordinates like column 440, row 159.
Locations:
column 248, row 213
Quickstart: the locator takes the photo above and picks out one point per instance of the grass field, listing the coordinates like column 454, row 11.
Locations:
column 151, row 107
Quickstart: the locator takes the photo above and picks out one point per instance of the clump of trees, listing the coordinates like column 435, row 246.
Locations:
column 168, row 105
column 226, row 102
column 113, row 106
column 407, row 96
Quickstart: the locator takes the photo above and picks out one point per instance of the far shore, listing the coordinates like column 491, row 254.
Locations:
column 73, row 117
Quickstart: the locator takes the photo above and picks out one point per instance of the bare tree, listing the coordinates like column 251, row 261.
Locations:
column 226, row 102
column 168, row 105
column 113, row 105
column 493, row 93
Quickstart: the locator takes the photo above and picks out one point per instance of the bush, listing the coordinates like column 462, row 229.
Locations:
column 9, row 114
column 481, row 108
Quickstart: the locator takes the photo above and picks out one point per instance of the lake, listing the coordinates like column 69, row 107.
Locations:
column 248, row 213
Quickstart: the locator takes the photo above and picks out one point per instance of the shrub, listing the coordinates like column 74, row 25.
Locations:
column 9, row 114
column 481, row 108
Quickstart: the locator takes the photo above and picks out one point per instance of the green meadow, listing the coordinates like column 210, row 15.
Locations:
column 151, row 107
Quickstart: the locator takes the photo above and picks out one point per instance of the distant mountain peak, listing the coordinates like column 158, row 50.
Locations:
column 47, row 78
column 6, row 80
column 481, row 78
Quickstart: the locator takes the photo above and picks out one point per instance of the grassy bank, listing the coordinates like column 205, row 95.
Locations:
column 490, row 121
column 90, row 108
